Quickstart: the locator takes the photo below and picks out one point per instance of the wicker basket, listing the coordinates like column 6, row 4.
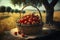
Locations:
column 31, row 29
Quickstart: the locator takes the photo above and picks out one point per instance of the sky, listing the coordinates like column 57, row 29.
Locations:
column 8, row 3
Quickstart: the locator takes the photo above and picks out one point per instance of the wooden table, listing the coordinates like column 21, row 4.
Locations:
column 44, row 33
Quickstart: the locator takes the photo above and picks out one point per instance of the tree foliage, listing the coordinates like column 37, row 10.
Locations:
column 8, row 9
column 16, row 10
column 2, row 9
column 25, row 2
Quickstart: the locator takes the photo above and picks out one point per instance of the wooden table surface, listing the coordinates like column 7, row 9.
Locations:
column 8, row 36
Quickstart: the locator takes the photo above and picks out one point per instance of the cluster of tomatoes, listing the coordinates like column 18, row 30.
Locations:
column 29, row 19
column 20, row 33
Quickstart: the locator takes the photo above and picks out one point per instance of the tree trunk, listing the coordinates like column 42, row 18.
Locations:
column 49, row 10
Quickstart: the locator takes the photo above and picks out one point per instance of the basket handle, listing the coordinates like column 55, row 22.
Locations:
column 34, row 7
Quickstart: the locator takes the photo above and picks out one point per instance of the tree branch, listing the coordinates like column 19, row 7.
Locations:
column 46, row 4
column 53, row 3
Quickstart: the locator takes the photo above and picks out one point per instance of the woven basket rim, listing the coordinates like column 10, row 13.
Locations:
column 30, row 25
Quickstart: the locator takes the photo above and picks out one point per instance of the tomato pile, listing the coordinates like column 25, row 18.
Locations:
column 20, row 33
column 29, row 19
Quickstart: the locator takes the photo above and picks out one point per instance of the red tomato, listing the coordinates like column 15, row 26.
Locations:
column 21, row 20
column 28, row 16
column 28, row 22
column 25, row 22
column 25, row 18
column 23, row 35
column 15, row 33
column 31, row 18
column 37, row 16
column 33, row 22
column 35, row 19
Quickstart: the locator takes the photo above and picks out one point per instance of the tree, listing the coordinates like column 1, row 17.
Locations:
column 16, row 10
column 2, row 9
column 8, row 9
column 49, row 10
